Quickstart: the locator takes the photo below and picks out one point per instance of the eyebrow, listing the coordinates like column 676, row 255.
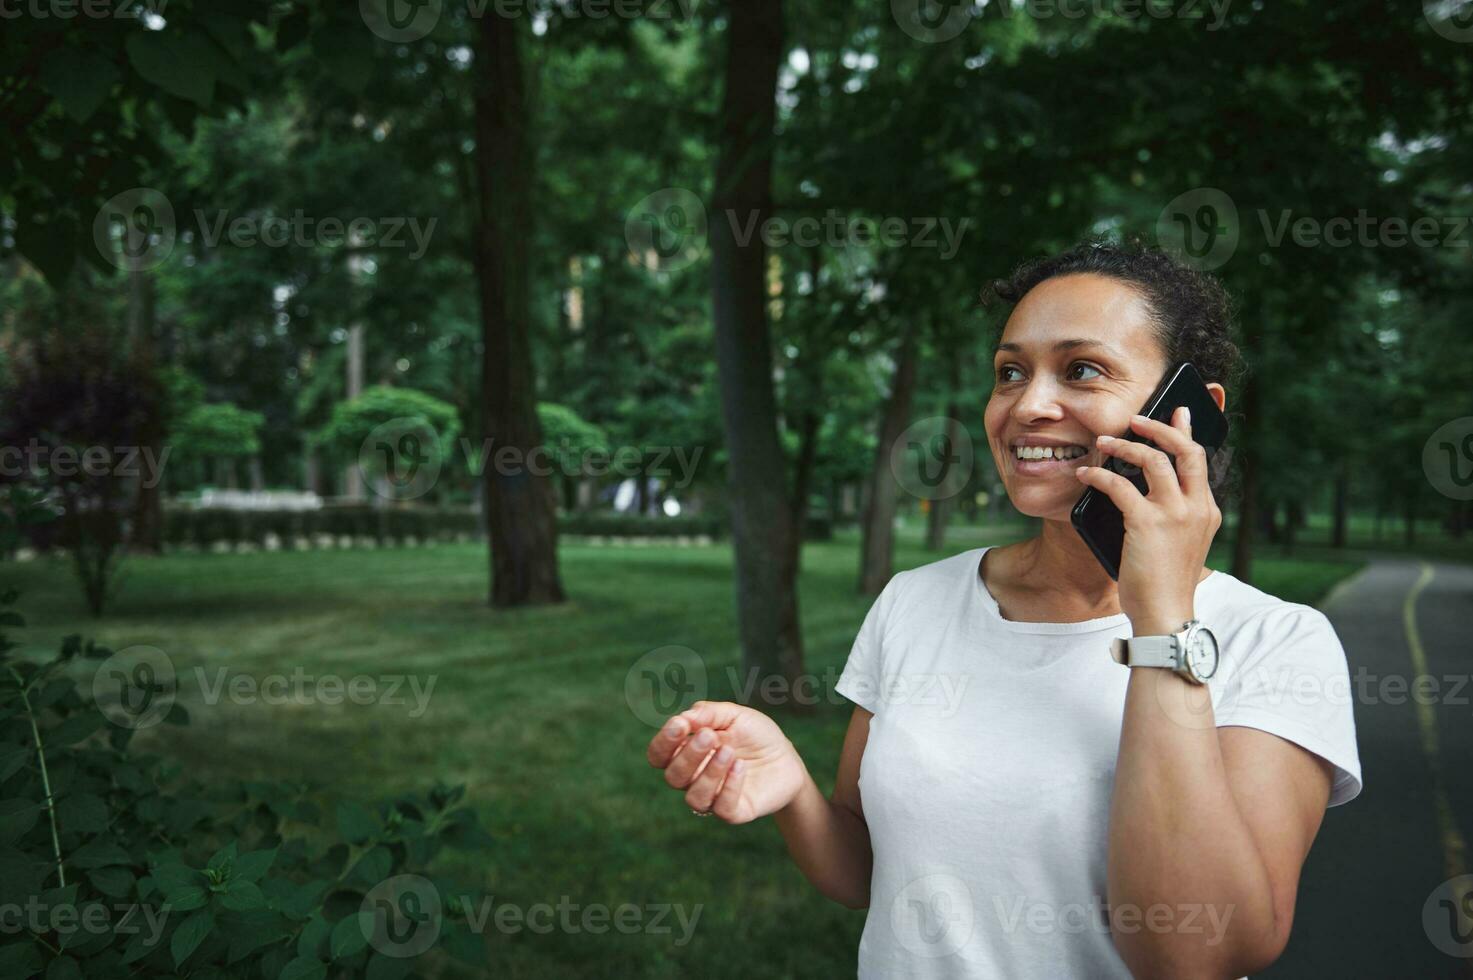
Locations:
column 1063, row 345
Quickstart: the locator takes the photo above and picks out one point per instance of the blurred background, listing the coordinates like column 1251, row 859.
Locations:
column 407, row 405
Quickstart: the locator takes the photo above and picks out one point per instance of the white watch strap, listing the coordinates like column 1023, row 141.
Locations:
column 1145, row 651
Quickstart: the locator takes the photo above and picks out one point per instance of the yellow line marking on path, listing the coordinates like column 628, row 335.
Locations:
column 1454, row 848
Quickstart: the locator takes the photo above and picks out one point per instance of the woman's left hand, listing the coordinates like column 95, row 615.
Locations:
column 1167, row 530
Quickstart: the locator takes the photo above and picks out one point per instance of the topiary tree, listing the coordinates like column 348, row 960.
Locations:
column 400, row 438
column 220, row 432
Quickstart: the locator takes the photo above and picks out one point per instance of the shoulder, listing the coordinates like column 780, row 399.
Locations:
column 942, row 578
column 1235, row 605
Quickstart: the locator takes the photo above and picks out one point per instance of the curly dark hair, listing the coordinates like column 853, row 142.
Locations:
column 1190, row 309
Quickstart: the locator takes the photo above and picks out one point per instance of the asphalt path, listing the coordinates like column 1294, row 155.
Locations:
column 1379, row 859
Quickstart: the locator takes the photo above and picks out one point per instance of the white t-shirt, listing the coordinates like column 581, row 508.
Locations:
column 987, row 775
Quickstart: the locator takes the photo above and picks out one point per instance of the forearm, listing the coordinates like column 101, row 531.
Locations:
column 1177, row 840
column 829, row 843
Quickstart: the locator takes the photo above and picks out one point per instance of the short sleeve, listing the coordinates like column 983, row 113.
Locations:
column 1289, row 677
column 860, row 680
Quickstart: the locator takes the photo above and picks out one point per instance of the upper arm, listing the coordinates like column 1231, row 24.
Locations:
column 1281, row 791
column 846, row 784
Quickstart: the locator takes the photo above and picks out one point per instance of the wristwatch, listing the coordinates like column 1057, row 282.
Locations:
column 1191, row 652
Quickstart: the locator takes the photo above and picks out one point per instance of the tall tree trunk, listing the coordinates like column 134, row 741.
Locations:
column 1248, row 503
column 877, row 528
column 761, row 515
column 148, row 511
column 520, row 507
column 1341, row 506
column 941, row 507
column 803, row 478
column 353, row 387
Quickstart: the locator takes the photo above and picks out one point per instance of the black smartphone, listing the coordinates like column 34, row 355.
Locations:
column 1095, row 516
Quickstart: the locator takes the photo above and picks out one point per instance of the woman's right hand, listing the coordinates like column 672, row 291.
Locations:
column 753, row 769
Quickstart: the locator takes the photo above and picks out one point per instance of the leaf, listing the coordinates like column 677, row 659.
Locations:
column 243, row 896
column 187, row 899
column 99, row 853
column 113, row 882
column 222, row 858
column 180, row 62
column 313, row 940
column 78, row 79
column 63, row 968
column 191, row 932
column 11, row 760
column 83, row 813
column 374, row 866
column 253, row 865
column 348, row 936
column 19, row 960
column 303, row 968
column 16, row 817
column 355, row 823
column 74, row 729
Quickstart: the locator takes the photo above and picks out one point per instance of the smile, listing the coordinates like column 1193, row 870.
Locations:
column 1048, row 452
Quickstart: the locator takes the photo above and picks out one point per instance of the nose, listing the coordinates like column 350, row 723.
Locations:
column 1038, row 401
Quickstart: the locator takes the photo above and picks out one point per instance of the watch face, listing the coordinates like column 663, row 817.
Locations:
column 1203, row 655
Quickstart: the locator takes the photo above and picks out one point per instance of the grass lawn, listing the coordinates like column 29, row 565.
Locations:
column 528, row 710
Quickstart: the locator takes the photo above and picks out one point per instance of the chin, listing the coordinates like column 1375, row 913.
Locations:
column 1048, row 505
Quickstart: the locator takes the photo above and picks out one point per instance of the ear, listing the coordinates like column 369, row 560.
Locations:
column 1219, row 395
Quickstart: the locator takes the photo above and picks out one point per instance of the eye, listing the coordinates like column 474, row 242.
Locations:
column 1008, row 372
column 1075, row 369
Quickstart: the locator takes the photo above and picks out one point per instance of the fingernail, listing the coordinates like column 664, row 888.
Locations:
column 1105, row 439
column 737, row 767
column 1186, row 414
column 1080, row 469
column 671, row 727
column 705, row 738
column 723, row 754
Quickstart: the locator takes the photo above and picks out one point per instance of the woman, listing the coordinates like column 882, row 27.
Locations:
column 1062, row 815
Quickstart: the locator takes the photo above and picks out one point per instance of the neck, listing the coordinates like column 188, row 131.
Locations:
column 1058, row 560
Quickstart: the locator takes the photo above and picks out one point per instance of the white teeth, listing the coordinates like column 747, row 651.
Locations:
column 1048, row 452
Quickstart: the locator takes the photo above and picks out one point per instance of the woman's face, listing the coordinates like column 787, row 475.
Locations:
column 1078, row 357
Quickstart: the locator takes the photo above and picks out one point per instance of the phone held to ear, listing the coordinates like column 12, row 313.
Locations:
column 1095, row 516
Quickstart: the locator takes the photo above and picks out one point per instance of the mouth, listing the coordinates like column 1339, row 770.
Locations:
column 1031, row 458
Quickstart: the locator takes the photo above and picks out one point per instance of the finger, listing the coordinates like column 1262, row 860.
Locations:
column 1121, row 491
column 712, row 714
column 1160, row 476
column 702, row 792
column 667, row 741
column 687, row 763
column 729, row 800
column 1176, row 439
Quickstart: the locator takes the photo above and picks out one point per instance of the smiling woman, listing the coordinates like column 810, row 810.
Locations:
column 1065, row 816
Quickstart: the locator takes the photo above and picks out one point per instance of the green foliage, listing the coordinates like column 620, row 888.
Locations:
column 561, row 426
column 218, row 430
column 123, row 867
column 391, row 412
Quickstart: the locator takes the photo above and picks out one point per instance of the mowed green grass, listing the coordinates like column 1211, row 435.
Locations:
column 528, row 710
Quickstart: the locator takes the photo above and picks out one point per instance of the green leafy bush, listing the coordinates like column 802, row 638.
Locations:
column 112, row 865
